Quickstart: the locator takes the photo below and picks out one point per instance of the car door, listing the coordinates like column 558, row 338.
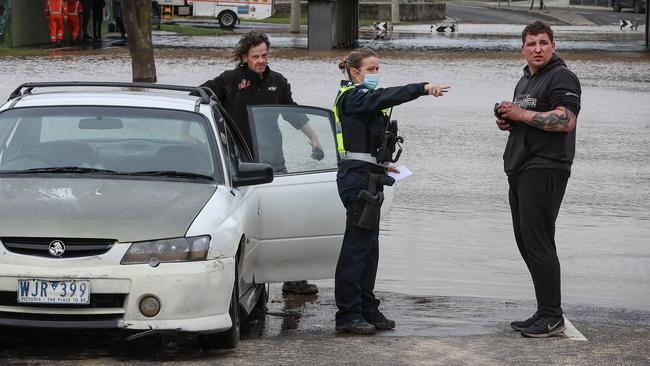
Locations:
column 302, row 217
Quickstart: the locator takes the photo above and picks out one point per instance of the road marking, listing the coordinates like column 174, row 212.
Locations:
column 571, row 332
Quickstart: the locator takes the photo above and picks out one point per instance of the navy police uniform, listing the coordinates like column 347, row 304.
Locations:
column 361, row 118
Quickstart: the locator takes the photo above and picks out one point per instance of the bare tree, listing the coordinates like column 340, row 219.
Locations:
column 137, row 22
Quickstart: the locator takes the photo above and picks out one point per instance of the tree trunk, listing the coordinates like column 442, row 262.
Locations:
column 394, row 11
column 295, row 16
column 137, row 22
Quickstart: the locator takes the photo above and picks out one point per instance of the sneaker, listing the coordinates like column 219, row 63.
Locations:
column 545, row 327
column 299, row 288
column 522, row 324
column 381, row 322
column 356, row 326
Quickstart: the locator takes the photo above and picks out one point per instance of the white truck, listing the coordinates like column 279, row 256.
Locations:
column 230, row 12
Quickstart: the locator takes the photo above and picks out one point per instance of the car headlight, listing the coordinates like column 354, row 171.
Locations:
column 168, row 250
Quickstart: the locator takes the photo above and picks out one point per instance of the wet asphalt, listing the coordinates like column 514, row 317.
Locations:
column 297, row 330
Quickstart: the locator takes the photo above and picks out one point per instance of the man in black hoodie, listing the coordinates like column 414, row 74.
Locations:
column 537, row 160
column 252, row 82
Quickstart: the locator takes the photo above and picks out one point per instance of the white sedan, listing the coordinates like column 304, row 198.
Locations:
column 144, row 209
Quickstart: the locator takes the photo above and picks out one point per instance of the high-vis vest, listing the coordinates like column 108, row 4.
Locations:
column 369, row 156
column 74, row 8
column 55, row 6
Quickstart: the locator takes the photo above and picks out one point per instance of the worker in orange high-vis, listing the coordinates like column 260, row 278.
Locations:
column 57, row 13
column 75, row 8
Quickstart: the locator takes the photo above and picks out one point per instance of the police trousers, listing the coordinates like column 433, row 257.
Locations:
column 356, row 268
column 535, row 197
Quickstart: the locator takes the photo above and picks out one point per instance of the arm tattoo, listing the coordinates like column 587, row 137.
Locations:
column 549, row 121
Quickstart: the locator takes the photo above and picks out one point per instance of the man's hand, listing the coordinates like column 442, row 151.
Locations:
column 503, row 125
column 511, row 111
column 437, row 90
column 392, row 169
column 317, row 153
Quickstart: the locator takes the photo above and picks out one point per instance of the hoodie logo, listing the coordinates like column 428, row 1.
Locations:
column 273, row 88
column 526, row 102
column 244, row 84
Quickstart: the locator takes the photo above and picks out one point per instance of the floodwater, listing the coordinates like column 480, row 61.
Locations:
column 449, row 230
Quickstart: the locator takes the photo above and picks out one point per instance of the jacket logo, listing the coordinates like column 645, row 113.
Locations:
column 244, row 84
column 526, row 102
column 273, row 88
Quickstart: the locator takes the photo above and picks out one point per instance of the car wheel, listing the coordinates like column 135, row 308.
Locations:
column 616, row 7
column 227, row 19
column 230, row 338
column 638, row 8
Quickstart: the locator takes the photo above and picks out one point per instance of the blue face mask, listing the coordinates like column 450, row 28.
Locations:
column 371, row 81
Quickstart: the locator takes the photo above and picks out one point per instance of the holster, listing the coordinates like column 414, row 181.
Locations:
column 389, row 142
column 368, row 204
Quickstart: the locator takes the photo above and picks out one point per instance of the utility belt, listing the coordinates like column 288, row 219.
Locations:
column 348, row 155
column 365, row 211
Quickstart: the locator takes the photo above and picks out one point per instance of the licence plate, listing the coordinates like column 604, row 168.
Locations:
column 35, row 291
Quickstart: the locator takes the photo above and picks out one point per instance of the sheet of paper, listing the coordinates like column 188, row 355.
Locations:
column 404, row 172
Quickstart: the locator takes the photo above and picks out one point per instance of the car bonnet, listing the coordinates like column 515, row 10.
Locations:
column 121, row 209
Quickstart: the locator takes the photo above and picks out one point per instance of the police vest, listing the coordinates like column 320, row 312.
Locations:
column 358, row 142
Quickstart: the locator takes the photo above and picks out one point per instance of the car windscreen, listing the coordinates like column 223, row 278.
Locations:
column 108, row 140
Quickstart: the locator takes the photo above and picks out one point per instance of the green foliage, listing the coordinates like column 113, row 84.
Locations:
column 22, row 52
column 303, row 21
column 193, row 31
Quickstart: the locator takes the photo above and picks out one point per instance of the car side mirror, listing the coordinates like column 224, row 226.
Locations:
column 252, row 174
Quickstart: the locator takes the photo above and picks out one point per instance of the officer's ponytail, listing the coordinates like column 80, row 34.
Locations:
column 354, row 59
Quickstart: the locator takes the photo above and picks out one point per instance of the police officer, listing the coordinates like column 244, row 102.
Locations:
column 366, row 142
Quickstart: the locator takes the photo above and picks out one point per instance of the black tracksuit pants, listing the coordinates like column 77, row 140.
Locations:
column 85, row 17
column 356, row 269
column 98, row 18
column 535, row 198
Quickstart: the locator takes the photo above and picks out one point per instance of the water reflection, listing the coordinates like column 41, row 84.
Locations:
column 449, row 232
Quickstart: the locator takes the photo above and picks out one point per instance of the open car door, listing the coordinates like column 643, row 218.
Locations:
column 302, row 217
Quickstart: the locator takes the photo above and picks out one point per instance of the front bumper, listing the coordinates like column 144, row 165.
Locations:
column 194, row 296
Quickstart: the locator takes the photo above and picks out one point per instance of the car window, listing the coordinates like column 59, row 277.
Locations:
column 121, row 139
column 234, row 155
column 280, row 138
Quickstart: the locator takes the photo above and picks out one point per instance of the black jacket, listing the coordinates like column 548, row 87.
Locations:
column 360, row 111
column 529, row 147
column 241, row 87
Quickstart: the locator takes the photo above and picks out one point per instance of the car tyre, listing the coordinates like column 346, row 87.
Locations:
column 638, row 8
column 227, row 19
column 230, row 338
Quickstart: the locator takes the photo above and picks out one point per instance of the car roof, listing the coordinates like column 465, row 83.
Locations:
column 166, row 100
